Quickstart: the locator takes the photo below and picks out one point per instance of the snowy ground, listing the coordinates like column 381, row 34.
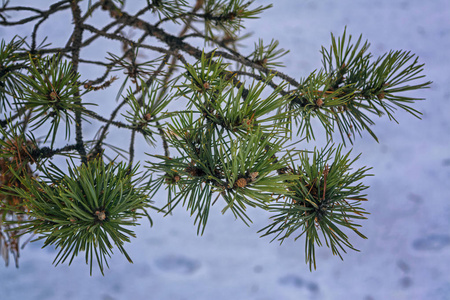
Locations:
column 407, row 255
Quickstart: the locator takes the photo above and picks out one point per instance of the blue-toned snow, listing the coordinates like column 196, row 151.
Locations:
column 407, row 254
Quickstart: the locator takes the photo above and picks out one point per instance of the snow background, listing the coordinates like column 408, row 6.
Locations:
column 407, row 254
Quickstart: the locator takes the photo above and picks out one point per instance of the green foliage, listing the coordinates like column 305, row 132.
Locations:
column 168, row 8
column 228, row 121
column 10, row 66
column 240, row 170
column 208, row 87
column 226, row 16
column 349, row 86
column 86, row 210
column 267, row 56
column 147, row 110
column 50, row 92
column 135, row 71
column 326, row 196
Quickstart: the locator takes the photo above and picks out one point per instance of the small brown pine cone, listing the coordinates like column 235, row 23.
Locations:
column 53, row 95
column 253, row 176
column 147, row 117
column 241, row 182
column 100, row 215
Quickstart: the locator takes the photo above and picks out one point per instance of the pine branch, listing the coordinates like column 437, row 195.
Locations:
column 224, row 119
